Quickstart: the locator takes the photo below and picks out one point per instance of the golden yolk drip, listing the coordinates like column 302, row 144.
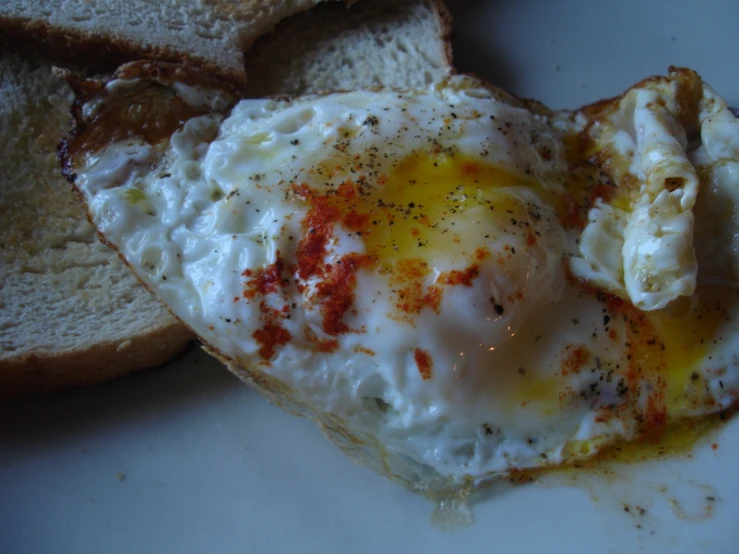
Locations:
column 670, row 347
column 678, row 438
column 664, row 357
column 688, row 339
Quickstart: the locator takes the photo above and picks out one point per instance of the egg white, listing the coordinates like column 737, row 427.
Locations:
column 525, row 367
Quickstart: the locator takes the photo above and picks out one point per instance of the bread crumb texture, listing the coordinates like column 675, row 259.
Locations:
column 381, row 43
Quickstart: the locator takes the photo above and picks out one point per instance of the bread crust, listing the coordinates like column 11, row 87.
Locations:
column 446, row 35
column 46, row 371
column 102, row 53
column 376, row 44
column 95, row 52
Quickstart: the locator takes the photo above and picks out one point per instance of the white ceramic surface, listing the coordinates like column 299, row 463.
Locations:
column 186, row 459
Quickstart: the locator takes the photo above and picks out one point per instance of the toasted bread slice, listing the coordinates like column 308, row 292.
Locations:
column 104, row 33
column 70, row 313
column 383, row 43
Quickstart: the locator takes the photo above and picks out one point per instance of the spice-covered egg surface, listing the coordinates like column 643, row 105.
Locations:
column 462, row 282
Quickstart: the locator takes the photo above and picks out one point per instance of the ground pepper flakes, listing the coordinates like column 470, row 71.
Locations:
column 460, row 277
column 424, row 363
column 656, row 413
column 645, row 363
column 336, row 292
column 269, row 336
column 265, row 279
column 575, row 359
column 407, row 278
column 317, row 229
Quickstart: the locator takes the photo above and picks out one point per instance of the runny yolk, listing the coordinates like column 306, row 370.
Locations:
column 432, row 206
column 427, row 223
column 688, row 339
column 667, row 353
column 658, row 368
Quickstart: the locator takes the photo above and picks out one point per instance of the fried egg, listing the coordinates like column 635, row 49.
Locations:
column 466, row 281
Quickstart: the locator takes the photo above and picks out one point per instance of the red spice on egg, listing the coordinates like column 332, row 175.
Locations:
column 407, row 280
column 269, row 336
column 320, row 345
column 355, row 221
column 264, row 280
column 482, row 254
column 336, row 292
column 575, row 358
column 347, row 190
column 317, row 229
column 471, row 169
column 363, row 350
column 604, row 191
column 463, row 277
column 571, row 217
column 424, row 363
column 646, row 367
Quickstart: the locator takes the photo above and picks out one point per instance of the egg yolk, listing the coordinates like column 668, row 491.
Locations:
column 428, row 204
column 688, row 335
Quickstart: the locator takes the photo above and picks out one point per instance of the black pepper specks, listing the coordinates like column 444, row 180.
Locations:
column 497, row 307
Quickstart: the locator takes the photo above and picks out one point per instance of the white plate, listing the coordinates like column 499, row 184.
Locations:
column 187, row 459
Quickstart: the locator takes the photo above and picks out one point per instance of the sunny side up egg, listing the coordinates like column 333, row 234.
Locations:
column 453, row 281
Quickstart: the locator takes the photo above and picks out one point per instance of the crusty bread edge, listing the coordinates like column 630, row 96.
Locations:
column 447, row 33
column 42, row 372
column 98, row 53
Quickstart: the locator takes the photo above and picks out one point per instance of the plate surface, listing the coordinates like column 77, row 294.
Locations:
column 186, row 459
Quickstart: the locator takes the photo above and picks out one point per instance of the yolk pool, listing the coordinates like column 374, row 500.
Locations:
column 429, row 206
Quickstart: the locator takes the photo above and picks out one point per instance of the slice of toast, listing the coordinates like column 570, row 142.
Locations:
column 71, row 314
column 383, row 43
column 211, row 34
